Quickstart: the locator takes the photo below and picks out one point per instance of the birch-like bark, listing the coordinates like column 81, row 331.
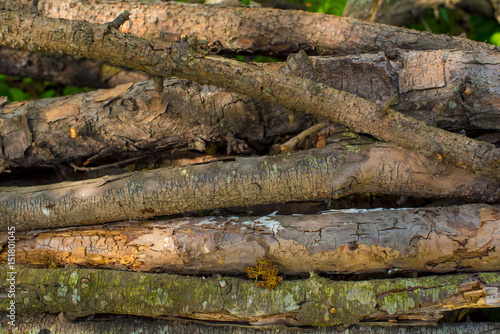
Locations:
column 330, row 172
column 254, row 30
column 436, row 240
column 311, row 302
column 186, row 58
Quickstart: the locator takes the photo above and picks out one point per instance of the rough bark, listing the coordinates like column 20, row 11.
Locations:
column 189, row 115
column 133, row 118
column 330, row 172
column 65, row 70
column 402, row 12
column 261, row 30
column 183, row 58
column 132, row 325
column 437, row 240
column 312, row 302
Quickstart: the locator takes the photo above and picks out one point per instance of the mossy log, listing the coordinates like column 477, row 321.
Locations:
column 309, row 302
column 52, row 323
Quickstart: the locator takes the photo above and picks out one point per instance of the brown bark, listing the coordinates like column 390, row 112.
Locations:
column 65, row 70
column 331, row 172
column 189, row 115
column 183, row 58
column 404, row 11
column 262, row 30
column 133, row 118
column 311, row 302
column 437, row 240
column 130, row 325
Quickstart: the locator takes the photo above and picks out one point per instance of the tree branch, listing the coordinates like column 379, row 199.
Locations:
column 330, row 172
column 254, row 30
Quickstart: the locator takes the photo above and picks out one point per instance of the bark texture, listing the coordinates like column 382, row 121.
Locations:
column 313, row 174
column 401, row 12
column 184, row 58
column 65, row 70
column 312, row 302
column 133, row 118
column 453, row 90
column 261, row 30
column 131, row 325
column 435, row 240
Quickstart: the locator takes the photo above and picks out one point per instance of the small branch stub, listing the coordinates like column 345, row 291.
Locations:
column 120, row 20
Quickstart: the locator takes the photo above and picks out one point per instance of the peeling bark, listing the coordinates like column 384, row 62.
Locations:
column 330, row 172
column 437, row 240
column 186, row 58
column 65, row 70
column 133, row 118
column 312, row 302
column 261, row 30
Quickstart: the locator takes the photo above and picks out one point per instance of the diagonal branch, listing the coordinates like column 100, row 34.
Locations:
column 187, row 58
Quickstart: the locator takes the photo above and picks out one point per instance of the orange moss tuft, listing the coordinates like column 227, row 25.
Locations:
column 267, row 271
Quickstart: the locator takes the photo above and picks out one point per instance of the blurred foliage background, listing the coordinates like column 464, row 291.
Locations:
column 440, row 20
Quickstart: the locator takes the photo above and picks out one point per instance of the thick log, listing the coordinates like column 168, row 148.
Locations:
column 437, row 240
column 261, row 30
column 312, row 302
column 186, row 58
column 331, row 172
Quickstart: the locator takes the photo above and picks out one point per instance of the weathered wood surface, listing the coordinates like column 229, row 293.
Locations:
column 403, row 12
column 312, row 302
column 132, row 325
column 438, row 240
